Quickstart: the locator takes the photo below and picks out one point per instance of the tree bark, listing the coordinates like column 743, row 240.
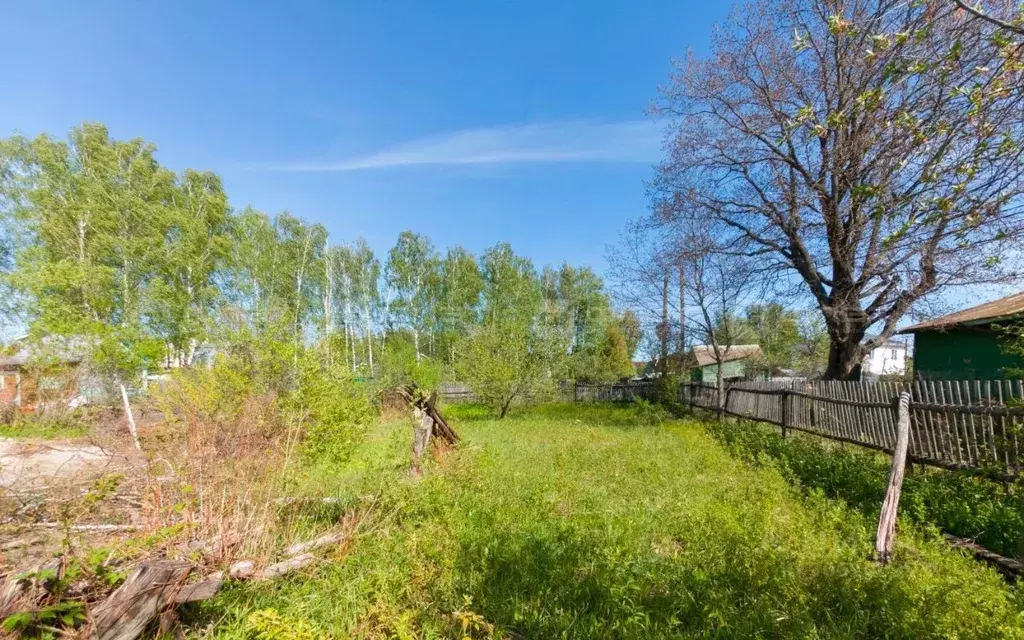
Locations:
column 845, row 353
column 720, row 384
column 682, row 318
column 663, row 328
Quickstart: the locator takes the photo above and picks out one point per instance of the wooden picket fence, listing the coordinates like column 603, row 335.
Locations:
column 966, row 424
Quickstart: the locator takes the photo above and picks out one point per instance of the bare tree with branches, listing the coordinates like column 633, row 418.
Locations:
column 870, row 149
column 718, row 286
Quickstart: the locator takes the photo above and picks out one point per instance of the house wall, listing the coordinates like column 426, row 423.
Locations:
column 709, row 374
column 970, row 353
column 8, row 387
column 887, row 360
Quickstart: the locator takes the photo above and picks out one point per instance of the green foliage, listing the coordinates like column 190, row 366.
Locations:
column 665, row 391
column 612, row 361
column 45, row 622
column 400, row 366
column 335, row 408
column 769, row 325
column 412, row 273
column 571, row 522
column 268, row 624
column 956, row 502
column 632, row 332
column 44, row 426
column 506, row 363
column 650, row 414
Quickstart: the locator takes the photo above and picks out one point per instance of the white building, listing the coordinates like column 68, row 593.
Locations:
column 890, row 359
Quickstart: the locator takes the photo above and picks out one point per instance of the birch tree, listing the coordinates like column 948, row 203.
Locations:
column 364, row 276
column 197, row 241
column 461, row 285
column 412, row 271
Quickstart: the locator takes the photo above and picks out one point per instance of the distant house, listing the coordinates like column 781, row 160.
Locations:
column 33, row 375
column 739, row 362
column 889, row 359
column 967, row 345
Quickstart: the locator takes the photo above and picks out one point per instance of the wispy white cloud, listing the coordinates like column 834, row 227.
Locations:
column 633, row 141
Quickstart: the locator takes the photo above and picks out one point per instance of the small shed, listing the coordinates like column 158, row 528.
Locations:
column 46, row 372
column 739, row 362
column 968, row 344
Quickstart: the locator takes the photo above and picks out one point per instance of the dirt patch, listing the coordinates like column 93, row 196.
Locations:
column 25, row 464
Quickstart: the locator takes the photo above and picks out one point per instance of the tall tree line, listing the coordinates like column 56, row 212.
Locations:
column 104, row 245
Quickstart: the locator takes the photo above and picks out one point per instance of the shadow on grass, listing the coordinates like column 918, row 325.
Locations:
column 956, row 502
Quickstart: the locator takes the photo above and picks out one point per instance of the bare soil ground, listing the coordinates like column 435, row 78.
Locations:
column 33, row 463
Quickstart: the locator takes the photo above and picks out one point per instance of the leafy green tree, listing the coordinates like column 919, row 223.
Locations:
column 776, row 329
column 90, row 215
column 505, row 363
column 458, row 306
column 364, row 275
column 184, row 292
column 511, row 288
column 514, row 355
column 612, row 361
column 632, row 331
column 412, row 275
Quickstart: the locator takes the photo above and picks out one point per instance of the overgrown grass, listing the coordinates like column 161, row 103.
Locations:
column 579, row 522
column 43, row 427
column 959, row 503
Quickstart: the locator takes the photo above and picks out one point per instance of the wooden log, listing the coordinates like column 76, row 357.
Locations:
column 322, row 541
column 887, row 519
column 98, row 528
column 285, row 567
column 203, row 590
column 1008, row 566
column 151, row 590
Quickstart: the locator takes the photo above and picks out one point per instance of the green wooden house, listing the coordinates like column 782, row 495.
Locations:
column 968, row 344
column 739, row 362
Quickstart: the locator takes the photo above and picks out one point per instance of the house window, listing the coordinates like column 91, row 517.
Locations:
column 893, row 354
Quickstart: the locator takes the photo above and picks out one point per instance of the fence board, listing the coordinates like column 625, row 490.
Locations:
column 954, row 424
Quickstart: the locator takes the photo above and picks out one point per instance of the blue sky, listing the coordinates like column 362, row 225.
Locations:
column 473, row 122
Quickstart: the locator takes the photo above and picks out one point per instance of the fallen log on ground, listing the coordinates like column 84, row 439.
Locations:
column 1008, row 566
column 156, row 588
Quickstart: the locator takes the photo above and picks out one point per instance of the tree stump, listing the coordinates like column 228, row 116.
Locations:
column 147, row 594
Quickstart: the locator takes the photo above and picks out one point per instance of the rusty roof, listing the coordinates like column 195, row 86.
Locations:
column 704, row 354
column 1001, row 309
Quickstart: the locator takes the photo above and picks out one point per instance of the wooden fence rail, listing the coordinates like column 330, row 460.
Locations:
column 966, row 424
column 953, row 424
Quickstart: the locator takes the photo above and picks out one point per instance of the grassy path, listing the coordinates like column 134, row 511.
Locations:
column 578, row 523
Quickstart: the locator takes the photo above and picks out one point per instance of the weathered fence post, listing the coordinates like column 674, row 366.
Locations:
column 785, row 410
column 887, row 519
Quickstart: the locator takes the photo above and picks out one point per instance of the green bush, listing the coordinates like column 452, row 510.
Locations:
column 335, row 408
column 44, row 426
column 956, row 502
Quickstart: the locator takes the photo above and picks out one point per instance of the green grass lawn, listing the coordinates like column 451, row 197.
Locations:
column 581, row 522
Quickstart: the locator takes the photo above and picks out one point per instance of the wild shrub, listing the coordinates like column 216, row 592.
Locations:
column 650, row 413
column 236, row 443
column 665, row 391
column 956, row 502
column 334, row 408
